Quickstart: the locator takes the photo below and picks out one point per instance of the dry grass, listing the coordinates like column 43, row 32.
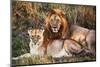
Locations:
column 32, row 60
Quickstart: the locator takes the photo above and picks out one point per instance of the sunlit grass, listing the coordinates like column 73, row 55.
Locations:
column 48, row 60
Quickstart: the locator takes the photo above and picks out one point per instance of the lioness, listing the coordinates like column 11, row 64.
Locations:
column 36, row 40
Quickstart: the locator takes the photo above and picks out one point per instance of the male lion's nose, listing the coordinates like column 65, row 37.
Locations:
column 54, row 27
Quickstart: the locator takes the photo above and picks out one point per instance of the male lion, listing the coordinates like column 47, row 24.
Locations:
column 55, row 33
column 56, row 29
column 56, row 39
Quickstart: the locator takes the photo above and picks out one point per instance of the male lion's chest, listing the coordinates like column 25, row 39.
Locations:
column 55, row 47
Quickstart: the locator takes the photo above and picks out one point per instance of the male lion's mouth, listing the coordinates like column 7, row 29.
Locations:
column 55, row 29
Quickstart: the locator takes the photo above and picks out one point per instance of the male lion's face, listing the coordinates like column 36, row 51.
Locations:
column 55, row 23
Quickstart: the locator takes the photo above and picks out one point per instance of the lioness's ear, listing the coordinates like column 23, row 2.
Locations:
column 41, row 30
column 29, row 32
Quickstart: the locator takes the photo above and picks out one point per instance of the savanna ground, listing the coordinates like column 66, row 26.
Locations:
column 29, row 15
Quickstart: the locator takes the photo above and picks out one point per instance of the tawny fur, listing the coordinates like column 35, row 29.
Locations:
column 84, row 36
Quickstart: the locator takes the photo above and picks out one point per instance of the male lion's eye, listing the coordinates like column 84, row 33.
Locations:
column 57, row 20
column 51, row 19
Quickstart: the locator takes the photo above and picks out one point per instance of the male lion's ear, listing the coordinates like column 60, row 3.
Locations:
column 47, row 17
column 62, row 14
column 49, row 13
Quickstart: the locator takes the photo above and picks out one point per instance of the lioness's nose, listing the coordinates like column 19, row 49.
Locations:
column 35, row 42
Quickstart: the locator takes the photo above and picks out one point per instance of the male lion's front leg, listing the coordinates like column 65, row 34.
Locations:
column 72, row 47
column 64, row 53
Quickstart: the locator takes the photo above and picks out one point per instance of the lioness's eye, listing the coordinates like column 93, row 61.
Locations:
column 32, row 36
column 38, row 37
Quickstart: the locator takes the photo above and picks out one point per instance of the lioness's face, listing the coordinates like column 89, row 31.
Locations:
column 36, row 35
column 55, row 23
